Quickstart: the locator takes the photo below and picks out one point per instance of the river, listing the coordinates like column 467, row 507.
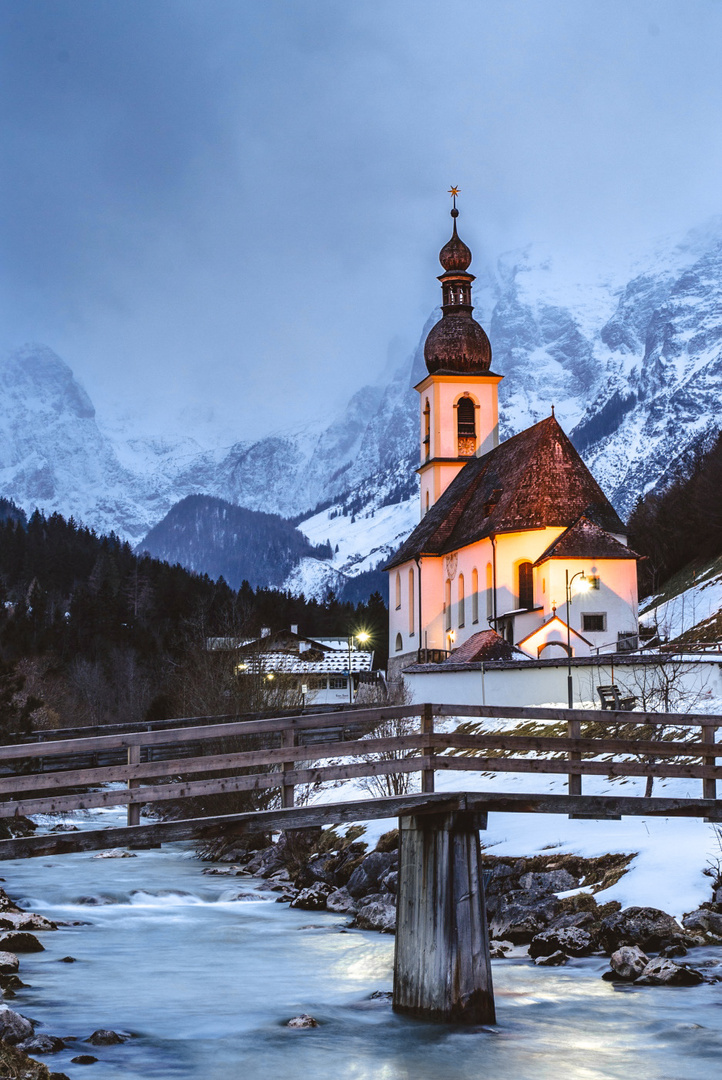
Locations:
column 206, row 975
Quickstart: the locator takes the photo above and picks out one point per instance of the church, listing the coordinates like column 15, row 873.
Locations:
column 518, row 552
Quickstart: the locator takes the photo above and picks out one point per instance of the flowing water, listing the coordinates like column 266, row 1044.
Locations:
column 206, row 975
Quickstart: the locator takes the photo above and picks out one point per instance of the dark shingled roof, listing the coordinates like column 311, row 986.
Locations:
column 486, row 645
column 532, row 480
column 585, row 540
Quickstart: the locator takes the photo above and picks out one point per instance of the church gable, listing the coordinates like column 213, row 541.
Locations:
column 585, row 540
column 534, row 480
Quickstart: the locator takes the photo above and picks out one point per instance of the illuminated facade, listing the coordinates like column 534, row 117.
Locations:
column 503, row 526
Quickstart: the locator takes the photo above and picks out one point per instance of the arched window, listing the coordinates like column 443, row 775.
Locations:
column 475, row 595
column 427, row 429
column 526, row 585
column 462, row 601
column 489, row 591
column 399, row 643
column 466, row 427
column 447, row 604
column 411, row 603
column 427, row 501
column 398, row 590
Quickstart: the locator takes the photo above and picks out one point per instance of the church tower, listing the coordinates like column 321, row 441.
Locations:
column 459, row 396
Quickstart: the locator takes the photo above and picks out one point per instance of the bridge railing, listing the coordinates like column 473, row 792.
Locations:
column 315, row 749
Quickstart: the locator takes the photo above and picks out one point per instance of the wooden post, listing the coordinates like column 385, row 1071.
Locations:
column 288, row 738
column 427, row 728
column 442, row 968
column 134, row 808
column 709, row 784
column 574, row 731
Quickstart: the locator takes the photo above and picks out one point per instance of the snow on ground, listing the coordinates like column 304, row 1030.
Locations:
column 697, row 604
column 362, row 544
column 671, row 853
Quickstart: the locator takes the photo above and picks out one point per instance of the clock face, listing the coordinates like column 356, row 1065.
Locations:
column 466, row 445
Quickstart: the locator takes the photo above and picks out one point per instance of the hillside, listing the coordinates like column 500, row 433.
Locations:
column 214, row 537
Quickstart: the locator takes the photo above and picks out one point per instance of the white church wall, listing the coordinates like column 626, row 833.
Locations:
column 616, row 597
column 696, row 683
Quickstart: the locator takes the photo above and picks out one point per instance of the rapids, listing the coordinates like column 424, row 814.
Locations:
column 205, row 975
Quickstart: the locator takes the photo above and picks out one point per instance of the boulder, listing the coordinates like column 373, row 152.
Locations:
column 518, row 918
column 647, row 927
column 115, row 853
column 43, row 1044
column 9, row 963
column 673, row 950
column 314, row 898
column 664, row 972
column 378, row 914
column 266, row 861
column 106, row 1037
column 390, row 882
column 302, row 1021
column 25, row 920
column 322, row 867
column 14, row 1028
column 553, row 881
column 341, row 901
column 704, row 921
column 555, row 959
column 628, row 963
column 571, row 940
column 84, row 1059
column 19, row 941
column 366, row 877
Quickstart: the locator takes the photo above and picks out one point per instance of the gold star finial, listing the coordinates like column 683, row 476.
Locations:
column 453, row 191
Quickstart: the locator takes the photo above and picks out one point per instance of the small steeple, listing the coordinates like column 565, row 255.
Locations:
column 457, row 342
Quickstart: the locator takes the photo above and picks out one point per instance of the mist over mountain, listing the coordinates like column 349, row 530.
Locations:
column 632, row 362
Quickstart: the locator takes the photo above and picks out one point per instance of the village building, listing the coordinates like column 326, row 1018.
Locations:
column 518, row 555
column 312, row 671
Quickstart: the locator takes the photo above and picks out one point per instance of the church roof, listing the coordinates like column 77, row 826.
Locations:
column 585, row 540
column 533, row 480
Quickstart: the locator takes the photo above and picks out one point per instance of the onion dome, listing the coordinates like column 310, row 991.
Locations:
column 455, row 255
column 457, row 343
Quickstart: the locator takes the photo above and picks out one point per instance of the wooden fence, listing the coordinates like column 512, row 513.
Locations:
column 286, row 752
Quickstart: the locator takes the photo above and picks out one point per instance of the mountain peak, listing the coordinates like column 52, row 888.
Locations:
column 37, row 373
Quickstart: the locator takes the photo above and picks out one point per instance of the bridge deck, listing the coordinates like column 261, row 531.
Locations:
column 306, row 817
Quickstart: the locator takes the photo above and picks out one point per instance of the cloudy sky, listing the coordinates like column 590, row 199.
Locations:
column 230, row 210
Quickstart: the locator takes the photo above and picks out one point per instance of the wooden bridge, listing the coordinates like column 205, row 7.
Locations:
column 442, row 968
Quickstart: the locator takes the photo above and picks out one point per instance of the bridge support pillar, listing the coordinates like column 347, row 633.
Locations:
column 442, row 968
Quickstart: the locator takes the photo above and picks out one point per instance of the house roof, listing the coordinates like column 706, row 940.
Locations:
column 585, row 540
column 533, row 480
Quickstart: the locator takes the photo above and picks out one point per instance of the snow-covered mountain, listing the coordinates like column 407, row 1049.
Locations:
column 631, row 358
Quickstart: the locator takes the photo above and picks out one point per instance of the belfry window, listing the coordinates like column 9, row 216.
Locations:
column 466, row 427
column 526, row 585
column 427, row 429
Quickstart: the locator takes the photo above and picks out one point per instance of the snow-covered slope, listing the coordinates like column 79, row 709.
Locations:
column 631, row 358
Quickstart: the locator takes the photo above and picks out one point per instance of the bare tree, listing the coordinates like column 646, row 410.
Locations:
column 391, row 783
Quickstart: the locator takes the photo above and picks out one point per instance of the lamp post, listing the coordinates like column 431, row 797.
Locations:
column 583, row 585
column 362, row 637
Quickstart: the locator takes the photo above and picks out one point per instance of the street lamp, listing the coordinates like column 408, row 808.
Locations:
column 584, row 586
column 361, row 637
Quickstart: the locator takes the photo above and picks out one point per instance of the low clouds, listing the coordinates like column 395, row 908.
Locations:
column 232, row 208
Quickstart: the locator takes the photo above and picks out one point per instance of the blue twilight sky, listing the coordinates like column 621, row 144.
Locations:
column 230, row 210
